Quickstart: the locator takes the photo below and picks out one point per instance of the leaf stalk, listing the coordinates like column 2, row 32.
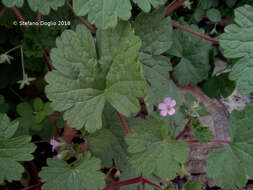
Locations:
column 123, row 122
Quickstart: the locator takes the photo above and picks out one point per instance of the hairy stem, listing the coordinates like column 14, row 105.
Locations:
column 33, row 186
column 46, row 58
column 39, row 18
column 90, row 26
column 19, row 15
column 185, row 130
column 174, row 6
column 212, row 141
column 123, row 183
column 139, row 179
column 123, row 122
column 4, row 9
column 146, row 181
column 214, row 41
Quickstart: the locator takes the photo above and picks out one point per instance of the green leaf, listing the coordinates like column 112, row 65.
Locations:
column 106, row 146
column 202, row 133
column 84, row 80
column 201, row 110
column 206, row 4
column 106, row 13
column 12, row 150
column 213, row 15
column 4, row 107
column 156, row 35
column 237, row 41
column 150, row 154
column 192, row 185
column 24, row 109
column 38, row 104
column 114, row 144
column 154, row 31
column 145, row 5
column 230, row 166
column 219, row 85
column 82, row 175
column 225, row 168
column 198, row 15
column 242, row 73
column 44, row 6
column 230, row 3
column 194, row 53
column 12, row 3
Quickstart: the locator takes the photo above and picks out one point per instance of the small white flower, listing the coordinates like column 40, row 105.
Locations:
column 26, row 81
column 5, row 58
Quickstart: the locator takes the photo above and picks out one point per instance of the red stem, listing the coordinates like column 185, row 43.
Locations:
column 186, row 129
column 92, row 27
column 39, row 18
column 4, row 9
column 146, row 181
column 143, row 185
column 33, row 186
column 123, row 122
column 212, row 141
column 130, row 182
column 214, row 41
column 174, row 6
column 46, row 59
column 19, row 16
column 123, row 183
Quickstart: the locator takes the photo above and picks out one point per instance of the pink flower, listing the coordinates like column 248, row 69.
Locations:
column 58, row 156
column 167, row 107
column 55, row 144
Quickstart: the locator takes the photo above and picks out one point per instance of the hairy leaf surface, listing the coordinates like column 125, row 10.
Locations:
column 105, row 13
column 12, row 3
column 85, row 79
column 150, row 153
column 237, row 42
column 156, row 35
column 44, row 6
column 13, row 150
column 194, row 53
column 84, row 174
column 231, row 166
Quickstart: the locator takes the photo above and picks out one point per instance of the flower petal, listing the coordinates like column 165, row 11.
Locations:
column 162, row 106
column 173, row 103
column 167, row 100
column 171, row 111
column 163, row 113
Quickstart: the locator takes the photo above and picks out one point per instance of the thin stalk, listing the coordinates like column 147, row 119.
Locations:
column 3, row 11
column 185, row 130
column 14, row 92
column 214, row 41
column 33, row 186
column 143, row 186
column 39, row 18
column 139, row 179
column 123, row 122
column 123, row 183
column 46, row 58
column 146, row 181
column 22, row 61
column 19, row 16
column 211, row 141
column 17, row 47
column 93, row 28
column 173, row 7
